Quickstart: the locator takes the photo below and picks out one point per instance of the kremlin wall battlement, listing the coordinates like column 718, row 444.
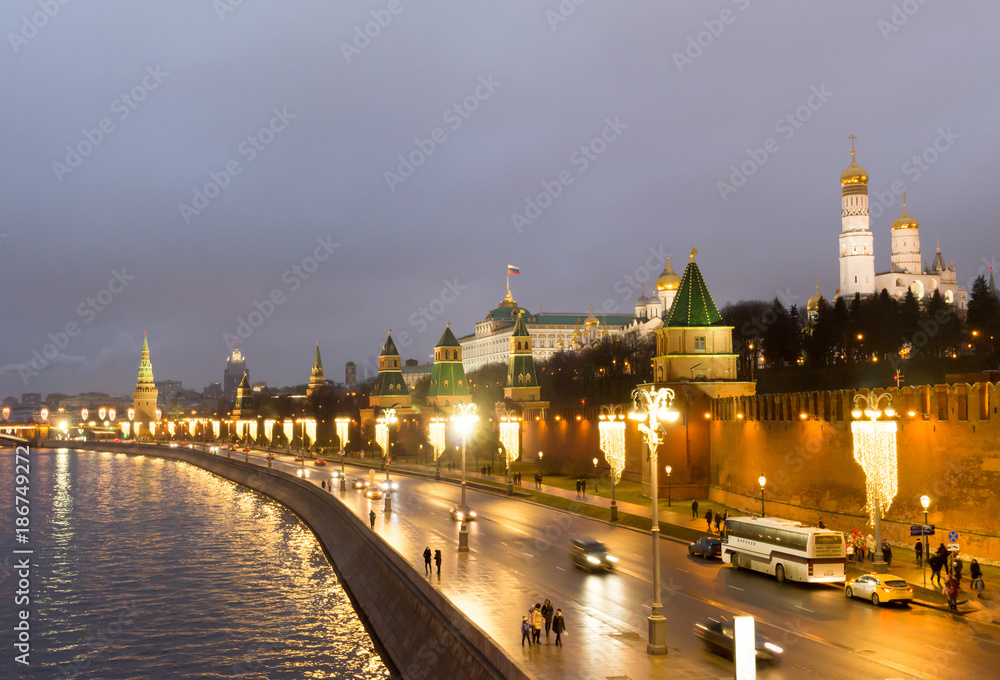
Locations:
column 948, row 444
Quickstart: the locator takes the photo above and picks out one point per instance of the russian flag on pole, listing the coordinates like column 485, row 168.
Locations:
column 511, row 269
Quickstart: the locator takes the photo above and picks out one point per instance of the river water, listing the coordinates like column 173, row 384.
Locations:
column 145, row 568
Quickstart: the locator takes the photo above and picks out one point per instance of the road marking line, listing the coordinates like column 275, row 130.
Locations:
column 560, row 569
column 942, row 650
column 735, row 588
column 684, row 570
column 798, row 606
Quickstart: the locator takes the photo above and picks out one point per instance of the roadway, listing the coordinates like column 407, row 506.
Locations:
column 519, row 556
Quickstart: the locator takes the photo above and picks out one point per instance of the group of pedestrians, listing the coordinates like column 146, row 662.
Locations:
column 713, row 519
column 581, row 487
column 486, row 470
column 531, row 625
column 427, row 561
column 860, row 547
column 515, row 477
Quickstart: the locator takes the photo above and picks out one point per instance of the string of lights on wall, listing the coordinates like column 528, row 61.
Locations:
column 875, row 451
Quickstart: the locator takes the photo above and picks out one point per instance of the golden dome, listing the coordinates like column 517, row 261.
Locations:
column 668, row 280
column 591, row 320
column 813, row 303
column 904, row 221
column 854, row 174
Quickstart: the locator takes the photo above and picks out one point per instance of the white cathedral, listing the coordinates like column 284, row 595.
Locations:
column 907, row 270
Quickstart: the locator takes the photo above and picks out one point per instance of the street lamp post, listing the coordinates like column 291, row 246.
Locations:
column 925, row 501
column 595, row 475
column 762, row 480
column 540, row 454
column 387, row 418
column 653, row 407
column 465, row 417
column 343, row 472
column 669, row 470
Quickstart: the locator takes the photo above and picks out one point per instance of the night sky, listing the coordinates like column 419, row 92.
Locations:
column 336, row 169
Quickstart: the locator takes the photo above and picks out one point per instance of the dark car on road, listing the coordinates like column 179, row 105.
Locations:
column 717, row 634
column 706, row 547
column 591, row 554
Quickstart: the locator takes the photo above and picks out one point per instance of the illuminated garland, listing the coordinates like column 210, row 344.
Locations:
column 288, row 427
column 510, row 431
column 343, row 426
column 875, row 451
column 215, row 428
column 125, row 429
column 311, row 431
column 436, row 435
column 269, row 429
column 170, row 428
column 382, row 437
column 253, row 429
column 613, row 445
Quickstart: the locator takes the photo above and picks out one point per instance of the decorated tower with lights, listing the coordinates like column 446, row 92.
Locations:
column 449, row 385
column 244, row 400
column 857, row 249
column 522, row 381
column 145, row 392
column 317, row 382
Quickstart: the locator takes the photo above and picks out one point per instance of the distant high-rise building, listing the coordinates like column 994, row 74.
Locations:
column 317, row 381
column 213, row 391
column 236, row 368
column 53, row 398
column 168, row 391
column 144, row 394
column 31, row 399
column 350, row 374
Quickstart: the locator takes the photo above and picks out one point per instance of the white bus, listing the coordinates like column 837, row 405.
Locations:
column 785, row 548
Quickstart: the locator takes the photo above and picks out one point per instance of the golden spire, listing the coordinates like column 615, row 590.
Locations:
column 694, row 251
column 852, row 138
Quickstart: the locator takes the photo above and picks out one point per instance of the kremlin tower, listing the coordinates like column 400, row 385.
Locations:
column 144, row 394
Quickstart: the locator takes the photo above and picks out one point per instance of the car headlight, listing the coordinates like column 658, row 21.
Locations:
column 612, row 559
column 593, row 560
column 472, row 513
column 460, row 516
column 773, row 647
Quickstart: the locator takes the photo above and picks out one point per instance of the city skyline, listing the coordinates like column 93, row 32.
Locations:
column 236, row 176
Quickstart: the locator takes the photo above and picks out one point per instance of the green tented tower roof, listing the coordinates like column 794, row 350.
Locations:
column 317, row 362
column 448, row 339
column 693, row 305
column 389, row 348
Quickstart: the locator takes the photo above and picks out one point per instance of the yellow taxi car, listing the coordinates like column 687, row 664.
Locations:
column 879, row 588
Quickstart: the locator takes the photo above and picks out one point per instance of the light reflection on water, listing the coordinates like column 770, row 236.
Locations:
column 145, row 568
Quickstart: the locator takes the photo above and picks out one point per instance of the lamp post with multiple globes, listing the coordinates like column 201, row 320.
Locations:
column 464, row 416
column 650, row 408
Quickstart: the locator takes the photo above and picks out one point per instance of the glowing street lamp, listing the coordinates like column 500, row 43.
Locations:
column 612, row 431
column 652, row 407
column 382, row 424
column 762, row 480
column 595, row 475
column 926, row 502
column 464, row 416
column 875, row 451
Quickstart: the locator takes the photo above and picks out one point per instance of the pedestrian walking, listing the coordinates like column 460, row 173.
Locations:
column 956, row 570
column 371, row 518
column 525, row 631
column 694, row 509
column 976, row 574
column 708, row 519
column 717, row 521
column 936, row 562
column 547, row 615
column 725, row 515
column 583, row 486
column 437, row 562
column 951, row 590
column 870, row 547
column 578, row 488
column 558, row 627
column 886, row 554
column 536, row 622
column 919, row 549
column 489, row 469
column 427, row 560
column 539, row 480
column 850, row 552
